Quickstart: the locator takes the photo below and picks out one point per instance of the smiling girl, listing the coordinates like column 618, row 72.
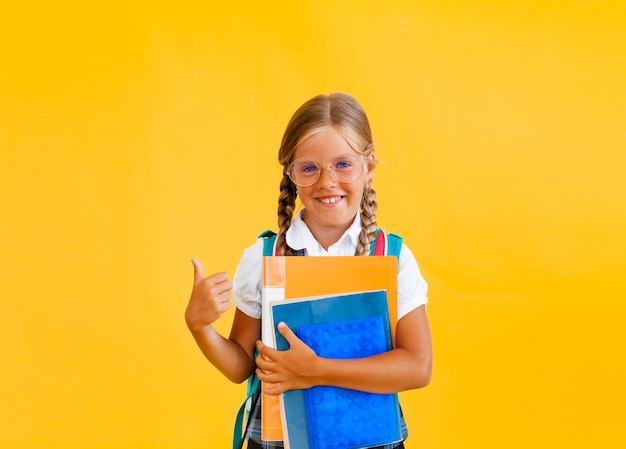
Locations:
column 328, row 160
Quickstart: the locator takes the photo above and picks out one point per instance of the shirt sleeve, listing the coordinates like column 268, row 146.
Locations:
column 412, row 287
column 247, row 281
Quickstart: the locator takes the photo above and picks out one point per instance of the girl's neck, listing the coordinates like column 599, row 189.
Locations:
column 325, row 235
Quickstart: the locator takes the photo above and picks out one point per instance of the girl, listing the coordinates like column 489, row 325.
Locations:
column 328, row 161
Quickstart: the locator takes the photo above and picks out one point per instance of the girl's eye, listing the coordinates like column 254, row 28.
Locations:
column 308, row 168
column 343, row 164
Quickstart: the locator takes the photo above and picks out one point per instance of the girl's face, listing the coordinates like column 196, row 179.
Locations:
column 330, row 205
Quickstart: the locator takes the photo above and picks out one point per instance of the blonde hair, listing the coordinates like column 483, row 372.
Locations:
column 343, row 113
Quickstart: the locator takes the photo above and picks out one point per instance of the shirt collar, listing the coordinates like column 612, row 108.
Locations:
column 300, row 237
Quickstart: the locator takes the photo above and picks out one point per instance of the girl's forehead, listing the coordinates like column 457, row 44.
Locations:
column 323, row 144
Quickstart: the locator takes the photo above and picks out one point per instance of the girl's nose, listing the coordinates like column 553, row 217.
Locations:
column 327, row 177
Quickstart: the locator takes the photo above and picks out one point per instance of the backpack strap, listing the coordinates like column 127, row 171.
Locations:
column 252, row 397
column 254, row 384
column 270, row 248
column 386, row 244
column 269, row 243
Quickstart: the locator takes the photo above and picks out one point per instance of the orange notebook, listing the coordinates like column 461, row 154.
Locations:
column 289, row 278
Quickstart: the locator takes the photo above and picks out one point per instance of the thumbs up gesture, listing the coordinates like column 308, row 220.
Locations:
column 210, row 297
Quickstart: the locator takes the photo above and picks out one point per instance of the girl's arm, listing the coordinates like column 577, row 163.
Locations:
column 210, row 298
column 407, row 367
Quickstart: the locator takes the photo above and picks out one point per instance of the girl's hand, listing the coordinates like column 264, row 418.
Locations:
column 210, row 298
column 282, row 371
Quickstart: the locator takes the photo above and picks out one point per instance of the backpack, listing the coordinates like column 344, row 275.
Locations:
column 385, row 245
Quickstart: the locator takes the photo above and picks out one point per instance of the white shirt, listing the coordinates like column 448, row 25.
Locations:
column 248, row 277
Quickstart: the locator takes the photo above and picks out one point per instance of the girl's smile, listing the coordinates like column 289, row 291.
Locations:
column 330, row 200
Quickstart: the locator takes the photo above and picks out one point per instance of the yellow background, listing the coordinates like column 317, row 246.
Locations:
column 137, row 135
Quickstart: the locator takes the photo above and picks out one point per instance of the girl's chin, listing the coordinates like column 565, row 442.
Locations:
column 331, row 217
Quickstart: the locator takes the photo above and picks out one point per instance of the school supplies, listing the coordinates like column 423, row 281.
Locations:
column 291, row 278
column 341, row 327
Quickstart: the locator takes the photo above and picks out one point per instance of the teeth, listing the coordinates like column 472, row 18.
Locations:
column 330, row 200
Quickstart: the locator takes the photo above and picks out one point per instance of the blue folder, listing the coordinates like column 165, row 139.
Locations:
column 342, row 327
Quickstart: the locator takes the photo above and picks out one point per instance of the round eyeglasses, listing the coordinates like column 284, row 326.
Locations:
column 344, row 168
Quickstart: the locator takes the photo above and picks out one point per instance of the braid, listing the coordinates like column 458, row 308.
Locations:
column 286, row 207
column 368, row 220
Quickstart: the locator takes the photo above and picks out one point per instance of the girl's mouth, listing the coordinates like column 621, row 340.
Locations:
column 330, row 200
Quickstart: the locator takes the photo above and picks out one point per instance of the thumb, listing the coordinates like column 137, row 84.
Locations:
column 286, row 332
column 198, row 271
